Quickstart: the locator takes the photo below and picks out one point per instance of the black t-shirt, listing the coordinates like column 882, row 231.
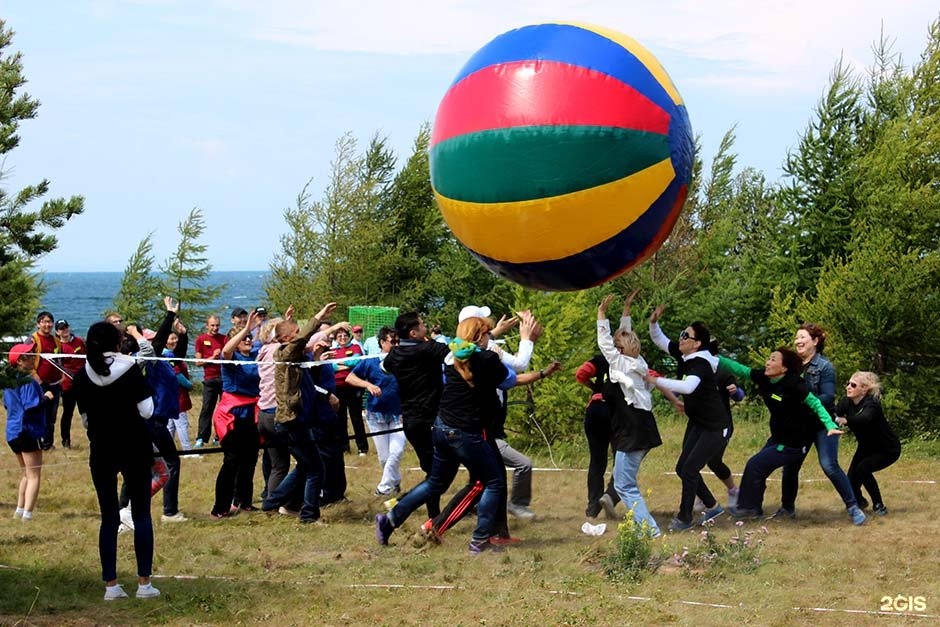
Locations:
column 792, row 422
column 473, row 409
column 601, row 374
column 113, row 418
column 417, row 368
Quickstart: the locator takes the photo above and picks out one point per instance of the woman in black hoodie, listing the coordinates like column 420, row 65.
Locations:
column 114, row 400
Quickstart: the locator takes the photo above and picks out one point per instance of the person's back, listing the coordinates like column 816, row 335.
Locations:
column 416, row 366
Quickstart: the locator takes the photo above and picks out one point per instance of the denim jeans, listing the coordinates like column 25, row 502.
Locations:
column 390, row 447
column 626, row 467
column 309, row 470
column 759, row 467
column 827, row 447
column 453, row 447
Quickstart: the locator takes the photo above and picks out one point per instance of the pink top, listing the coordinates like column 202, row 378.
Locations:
column 266, row 398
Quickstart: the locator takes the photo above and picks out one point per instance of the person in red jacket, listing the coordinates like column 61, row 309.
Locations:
column 71, row 345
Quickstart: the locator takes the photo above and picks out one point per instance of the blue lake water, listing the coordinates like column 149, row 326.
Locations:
column 83, row 297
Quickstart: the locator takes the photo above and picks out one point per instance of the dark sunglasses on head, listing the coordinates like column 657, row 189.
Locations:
column 685, row 336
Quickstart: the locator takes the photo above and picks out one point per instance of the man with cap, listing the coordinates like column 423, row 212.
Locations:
column 71, row 345
column 239, row 318
column 357, row 337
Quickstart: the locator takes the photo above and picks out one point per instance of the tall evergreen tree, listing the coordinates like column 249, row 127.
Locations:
column 24, row 234
column 137, row 298
column 185, row 273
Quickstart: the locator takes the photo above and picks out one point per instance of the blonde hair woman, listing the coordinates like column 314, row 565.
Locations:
column 878, row 446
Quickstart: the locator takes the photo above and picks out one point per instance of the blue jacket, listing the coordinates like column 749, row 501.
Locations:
column 25, row 413
column 820, row 377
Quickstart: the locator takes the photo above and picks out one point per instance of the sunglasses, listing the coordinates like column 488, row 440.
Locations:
column 685, row 336
column 851, row 384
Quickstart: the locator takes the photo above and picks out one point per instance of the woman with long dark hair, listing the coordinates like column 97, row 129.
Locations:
column 114, row 400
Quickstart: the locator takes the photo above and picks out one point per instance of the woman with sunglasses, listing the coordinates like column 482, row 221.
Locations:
column 820, row 377
column 878, row 446
column 706, row 434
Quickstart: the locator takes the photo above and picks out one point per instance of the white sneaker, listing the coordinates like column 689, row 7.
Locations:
column 699, row 506
column 147, row 592
column 177, row 517
column 112, row 593
column 122, row 528
column 126, row 518
column 733, row 497
column 520, row 511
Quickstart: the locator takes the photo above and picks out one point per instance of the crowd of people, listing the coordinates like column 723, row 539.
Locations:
column 275, row 389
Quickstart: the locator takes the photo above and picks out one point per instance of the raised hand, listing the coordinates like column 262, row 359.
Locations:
column 628, row 303
column 602, row 307
column 657, row 313
column 326, row 311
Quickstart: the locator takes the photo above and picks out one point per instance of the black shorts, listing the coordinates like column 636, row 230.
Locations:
column 24, row 444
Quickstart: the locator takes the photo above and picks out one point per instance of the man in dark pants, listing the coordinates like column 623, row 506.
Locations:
column 417, row 364
column 209, row 346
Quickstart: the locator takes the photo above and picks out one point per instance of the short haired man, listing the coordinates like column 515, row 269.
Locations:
column 209, row 346
column 47, row 373
column 71, row 345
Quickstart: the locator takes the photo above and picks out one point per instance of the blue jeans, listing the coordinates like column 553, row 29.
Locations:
column 309, row 470
column 626, row 467
column 453, row 447
column 827, row 447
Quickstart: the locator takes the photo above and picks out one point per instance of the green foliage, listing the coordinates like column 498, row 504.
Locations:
column 632, row 559
column 24, row 233
column 137, row 299
column 185, row 273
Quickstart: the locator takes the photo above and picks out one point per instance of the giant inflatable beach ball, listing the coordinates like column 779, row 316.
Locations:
column 561, row 155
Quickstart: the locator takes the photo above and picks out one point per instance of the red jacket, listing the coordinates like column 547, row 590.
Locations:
column 223, row 418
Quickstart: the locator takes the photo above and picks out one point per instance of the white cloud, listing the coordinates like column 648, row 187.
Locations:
column 775, row 45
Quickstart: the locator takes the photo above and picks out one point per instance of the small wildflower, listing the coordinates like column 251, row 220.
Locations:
column 740, row 523
column 763, row 529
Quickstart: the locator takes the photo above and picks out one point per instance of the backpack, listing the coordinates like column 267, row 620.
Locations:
column 162, row 380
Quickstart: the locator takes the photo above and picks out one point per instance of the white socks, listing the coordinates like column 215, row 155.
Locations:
column 18, row 513
column 27, row 515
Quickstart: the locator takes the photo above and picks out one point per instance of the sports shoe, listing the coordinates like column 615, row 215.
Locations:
column 592, row 510
column 286, row 511
column 390, row 504
column 743, row 512
column 733, row 497
column 610, row 508
column 678, row 525
column 520, row 511
column 147, row 591
column 481, row 546
column 113, row 593
column 383, row 528
column 856, row 514
column 862, row 503
column 783, row 512
column 127, row 518
column 362, row 454
column 880, row 509
column 177, row 517
column 505, row 540
column 380, row 492
column 247, row 508
column 699, row 506
column 198, row 443
column 712, row 514
column 425, row 535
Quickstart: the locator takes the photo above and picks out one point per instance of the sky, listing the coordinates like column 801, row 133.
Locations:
column 153, row 107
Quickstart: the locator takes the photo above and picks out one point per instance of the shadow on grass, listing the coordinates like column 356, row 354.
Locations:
column 54, row 595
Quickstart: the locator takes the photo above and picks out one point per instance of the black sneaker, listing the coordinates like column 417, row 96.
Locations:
column 783, row 512
column 880, row 509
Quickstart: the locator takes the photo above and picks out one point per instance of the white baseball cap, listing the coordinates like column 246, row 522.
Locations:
column 472, row 311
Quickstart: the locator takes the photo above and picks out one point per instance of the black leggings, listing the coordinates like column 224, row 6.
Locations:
column 698, row 447
column 862, row 471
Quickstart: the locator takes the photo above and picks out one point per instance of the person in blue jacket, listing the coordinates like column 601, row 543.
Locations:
column 26, row 424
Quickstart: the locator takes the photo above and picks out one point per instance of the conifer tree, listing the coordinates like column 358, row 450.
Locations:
column 137, row 299
column 185, row 273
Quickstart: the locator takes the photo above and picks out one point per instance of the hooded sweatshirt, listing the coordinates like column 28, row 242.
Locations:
column 114, row 406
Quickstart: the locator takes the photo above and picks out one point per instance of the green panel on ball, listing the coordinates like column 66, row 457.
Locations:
column 524, row 163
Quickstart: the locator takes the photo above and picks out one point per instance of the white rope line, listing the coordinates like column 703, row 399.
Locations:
column 50, row 357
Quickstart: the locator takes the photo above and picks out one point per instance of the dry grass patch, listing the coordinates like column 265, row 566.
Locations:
column 262, row 568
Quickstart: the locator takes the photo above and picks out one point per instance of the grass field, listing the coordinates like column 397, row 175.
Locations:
column 257, row 568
